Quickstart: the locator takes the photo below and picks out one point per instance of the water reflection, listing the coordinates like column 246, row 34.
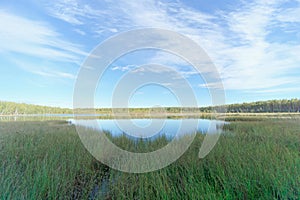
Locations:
column 144, row 128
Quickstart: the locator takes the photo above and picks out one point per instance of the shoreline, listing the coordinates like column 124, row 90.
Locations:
column 153, row 114
column 229, row 117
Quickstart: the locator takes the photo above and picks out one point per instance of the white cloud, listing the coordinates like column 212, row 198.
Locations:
column 238, row 41
column 55, row 74
column 35, row 38
column 45, row 70
column 278, row 90
column 80, row 32
column 290, row 15
column 255, row 62
column 153, row 69
column 73, row 11
column 123, row 68
column 168, row 59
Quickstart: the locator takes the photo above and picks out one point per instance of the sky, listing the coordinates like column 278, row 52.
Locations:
column 254, row 46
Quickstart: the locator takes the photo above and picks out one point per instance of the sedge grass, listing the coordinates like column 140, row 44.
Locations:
column 252, row 160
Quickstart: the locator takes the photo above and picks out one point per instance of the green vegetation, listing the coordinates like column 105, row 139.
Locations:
column 10, row 108
column 252, row 160
column 272, row 106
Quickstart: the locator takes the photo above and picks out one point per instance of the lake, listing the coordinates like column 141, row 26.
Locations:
column 134, row 128
column 150, row 128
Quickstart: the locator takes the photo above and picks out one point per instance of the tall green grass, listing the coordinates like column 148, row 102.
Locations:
column 252, row 160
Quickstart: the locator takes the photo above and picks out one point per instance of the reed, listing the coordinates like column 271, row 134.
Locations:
column 252, row 160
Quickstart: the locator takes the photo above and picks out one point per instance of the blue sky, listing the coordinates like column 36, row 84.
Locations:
column 254, row 45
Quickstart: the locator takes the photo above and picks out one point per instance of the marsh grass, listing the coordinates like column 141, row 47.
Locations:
column 252, row 160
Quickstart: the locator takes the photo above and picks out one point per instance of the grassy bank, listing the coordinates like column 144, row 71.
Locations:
column 167, row 115
column 257, row 159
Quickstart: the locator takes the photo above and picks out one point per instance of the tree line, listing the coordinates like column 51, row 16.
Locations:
column 11, row 108
column 271, row 106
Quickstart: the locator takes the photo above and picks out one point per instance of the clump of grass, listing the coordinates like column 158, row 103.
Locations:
column 252, row 160
column 44, row 160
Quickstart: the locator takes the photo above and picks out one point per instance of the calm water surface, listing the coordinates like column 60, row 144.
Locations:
column 137, row 128
column 146, row 128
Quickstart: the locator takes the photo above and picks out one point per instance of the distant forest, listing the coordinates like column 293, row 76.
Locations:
column 271, row 106
column 11, row 108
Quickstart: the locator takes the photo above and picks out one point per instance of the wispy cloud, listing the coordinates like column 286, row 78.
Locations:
column 35, row 38
column 47, row 71
column 238, row 40
column 55, row 74
column 278, row 90
column 80, row 32
column 73, row 11
column 124, row 68
column 254, row 61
